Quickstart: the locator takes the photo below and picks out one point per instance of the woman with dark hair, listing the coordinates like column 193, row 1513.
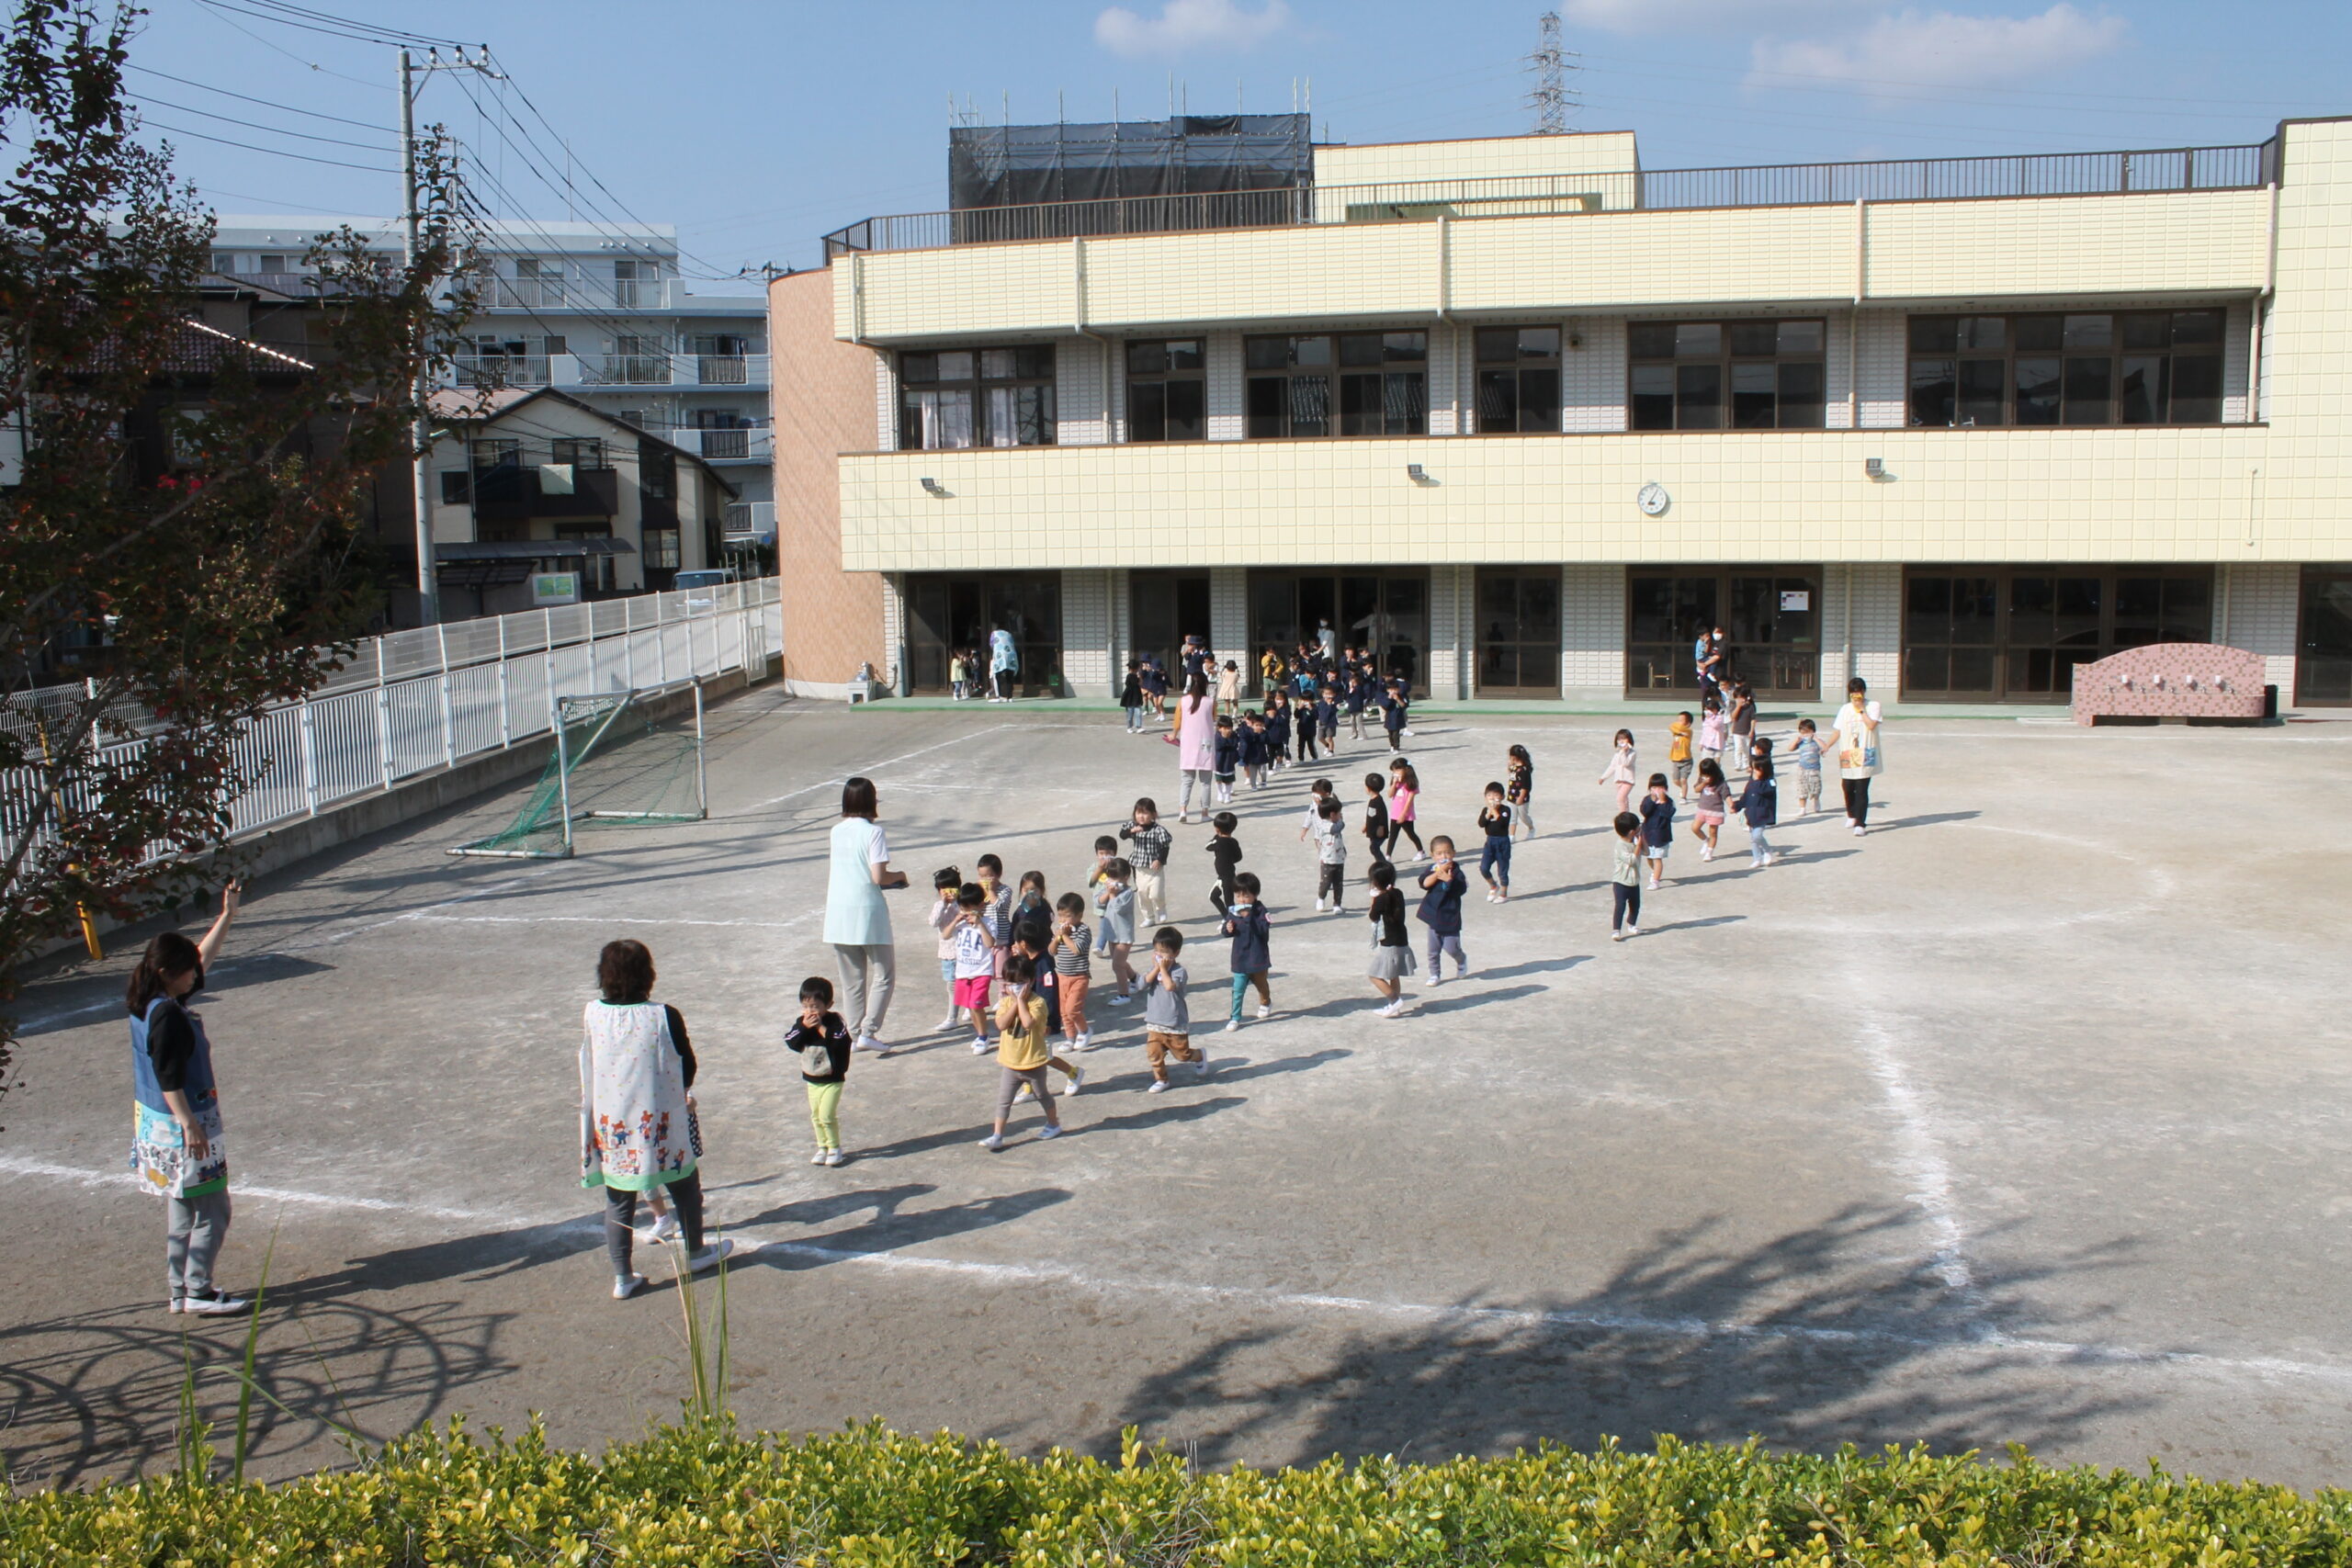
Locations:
column 176, row 1144
column 638, row 1131
column 857, row 921
column 1194, row 732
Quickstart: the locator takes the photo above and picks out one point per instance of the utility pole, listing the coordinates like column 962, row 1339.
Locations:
column 428, row 580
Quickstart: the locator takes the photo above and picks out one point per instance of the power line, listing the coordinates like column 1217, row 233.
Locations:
column 225, row 21
column 273, row 151
column 273, row 130
column 265, row 103
column 331, row 27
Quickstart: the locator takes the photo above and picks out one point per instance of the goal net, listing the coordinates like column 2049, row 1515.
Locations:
column 612, row 766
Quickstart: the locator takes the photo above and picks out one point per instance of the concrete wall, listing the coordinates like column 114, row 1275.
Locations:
column 828, row 400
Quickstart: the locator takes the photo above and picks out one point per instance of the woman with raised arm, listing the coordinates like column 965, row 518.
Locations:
column 176, row 1144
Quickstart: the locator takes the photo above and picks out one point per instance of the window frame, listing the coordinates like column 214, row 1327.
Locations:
column 2069, row 358
column 1195, row 376
column 1344, row 380
column 976, row 389
column 1516, row 369
column 1719, row 368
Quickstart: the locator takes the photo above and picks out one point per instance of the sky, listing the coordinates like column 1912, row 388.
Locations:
column 756, row 125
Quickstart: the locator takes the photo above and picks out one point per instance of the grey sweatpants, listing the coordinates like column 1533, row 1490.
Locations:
column 194, row 1229
column 869, row 973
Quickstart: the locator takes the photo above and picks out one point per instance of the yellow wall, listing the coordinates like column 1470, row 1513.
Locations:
column 2200, row 242
column 2103, row 494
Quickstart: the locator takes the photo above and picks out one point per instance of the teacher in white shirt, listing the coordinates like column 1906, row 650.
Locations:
column 857, row 921
column 1862, row 754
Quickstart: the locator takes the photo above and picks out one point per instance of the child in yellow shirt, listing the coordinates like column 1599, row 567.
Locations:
column 1021, row 1052
column 1678, row 752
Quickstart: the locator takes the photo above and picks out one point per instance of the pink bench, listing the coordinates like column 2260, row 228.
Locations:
column 2172, row 680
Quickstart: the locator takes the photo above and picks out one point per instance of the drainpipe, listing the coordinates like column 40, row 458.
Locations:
column 857, row 297
column 2261, row 306
column 1078, row 323
column 1854, row 319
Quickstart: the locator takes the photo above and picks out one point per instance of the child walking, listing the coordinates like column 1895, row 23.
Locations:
column 1395, row 716
column 1494, row 859
column 1021, row 1054
column 1326, row 719
column 1131, row 697
column 996, row 898
column 1148, row 858
column 1519, row 775
column 1224, row 849
column 946, row 881
column 1167, row 1018
column 1807, row 753
column 1711, row 729
column 1072, row 949
column 1229, row 691
column 1743, row 723
column 1658, row 829
column 1330, row 855
column 1246, row 923
column 820, row 1039
column 1677, row 751
column 1620, row 770
column 1442, row 889
column 1404, row 794
column 1227, row 760
column 1760, row 804
column 1376, row 817
column 1392, row 951
column 976, row 960
column 1625, row 879
column 1708, row 807
column 1116, row 901
column 1253, row 749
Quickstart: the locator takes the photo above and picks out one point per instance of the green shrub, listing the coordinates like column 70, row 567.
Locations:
column 704, row 1494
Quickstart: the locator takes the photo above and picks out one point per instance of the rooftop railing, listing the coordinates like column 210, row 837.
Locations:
column 1784, row 185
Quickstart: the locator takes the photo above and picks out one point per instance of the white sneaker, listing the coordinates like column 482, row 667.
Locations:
column 1617, row 936
column 1322, row 906
column 992, row 1143
column 626, row 1286
column 1201, row 1067
column 1463, row 972
column 1231, row 1024
column 1432, row 980
column 1859, row 832
column 868, row 1042
column 1157, row 1087
column 834, row 1156
column 817, row 1158
column 950, row 1021
column 215, row 1303
column 1085, row 1042
column 1706, row 851
column 664, row 1230
column 1023, row 1091
column 1050, row 1130
column 1654, row 885
column 1265, row 1009
column 980, row 1047
column 1076, row 1080
column 708, row 1258
column 1850, row 821
column 1632, row 931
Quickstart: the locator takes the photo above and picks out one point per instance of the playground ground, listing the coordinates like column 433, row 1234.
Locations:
column 2020, row 1120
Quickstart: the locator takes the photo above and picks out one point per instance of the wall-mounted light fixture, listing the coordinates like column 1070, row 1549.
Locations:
column 934, row 487
column 1874, row 467
column 1417, row 474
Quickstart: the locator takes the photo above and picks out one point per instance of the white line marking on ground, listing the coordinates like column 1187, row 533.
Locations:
column 1918, row 1157
column 765, row 1239
column 867, row 767
column 619, row 920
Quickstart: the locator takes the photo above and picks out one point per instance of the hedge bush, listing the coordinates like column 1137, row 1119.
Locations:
column 872, row 1498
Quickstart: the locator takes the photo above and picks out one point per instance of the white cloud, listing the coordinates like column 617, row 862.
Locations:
column 1698, row 16
column 1915, row 49
column 1184, row 25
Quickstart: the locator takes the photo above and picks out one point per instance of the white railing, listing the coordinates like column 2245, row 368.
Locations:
column 415, row 702
column 743, row 444
column 748, row 520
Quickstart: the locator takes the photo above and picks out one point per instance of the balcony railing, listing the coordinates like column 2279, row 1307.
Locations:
column 498, row 370
column 748, row 520
column 604, row 294
column 1785, row 185
column 738, row 445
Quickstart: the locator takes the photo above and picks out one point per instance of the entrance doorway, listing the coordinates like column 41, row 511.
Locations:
column 951, row 612
column 2015, row 634
column 1386, row 609
column 1770, row 614
column 1163, row 609
column 1519, row 631
column 2324, row 646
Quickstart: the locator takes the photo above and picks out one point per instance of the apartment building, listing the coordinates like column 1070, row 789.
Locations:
column 1525, row 416
column 598, row 312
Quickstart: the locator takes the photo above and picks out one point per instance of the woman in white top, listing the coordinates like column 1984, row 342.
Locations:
column 857, row 921
column 1861, row 755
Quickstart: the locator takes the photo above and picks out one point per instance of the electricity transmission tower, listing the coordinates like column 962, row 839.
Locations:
column 1553, row 100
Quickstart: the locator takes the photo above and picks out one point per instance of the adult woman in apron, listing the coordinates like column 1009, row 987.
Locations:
column 176, row 1144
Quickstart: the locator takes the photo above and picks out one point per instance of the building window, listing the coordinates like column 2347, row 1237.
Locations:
column 1167, row 391
column 2133, row 367
column 2018, row 633
column 656, row 472
column 579, row 452
column 1383, row 385
column 661, row 549
column 496, row 453
column 456, row 488
column 988, row 397
column 1518, row 380
column 1726, row 375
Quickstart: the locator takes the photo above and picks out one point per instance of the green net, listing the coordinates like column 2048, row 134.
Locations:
column 615, row 768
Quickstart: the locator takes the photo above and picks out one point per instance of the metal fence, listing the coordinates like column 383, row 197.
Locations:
column 1785, row 185
column 415, row 702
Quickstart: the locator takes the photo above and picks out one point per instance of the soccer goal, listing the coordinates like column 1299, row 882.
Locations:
column 612, row 765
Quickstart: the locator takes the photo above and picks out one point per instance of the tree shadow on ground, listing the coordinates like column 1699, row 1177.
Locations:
column 96, row 1395
column 1809, row 1339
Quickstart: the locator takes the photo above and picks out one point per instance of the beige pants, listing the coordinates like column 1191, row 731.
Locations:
column 1158, row 1045
column 1151, row 895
